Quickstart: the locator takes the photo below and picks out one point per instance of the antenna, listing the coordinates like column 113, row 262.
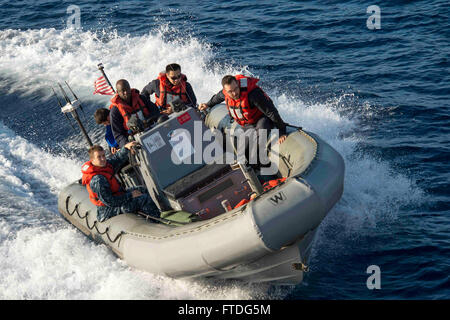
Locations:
column 60, row 105
column 70, row 90
column 72, row 106
column 64, row 93
column 76, row 98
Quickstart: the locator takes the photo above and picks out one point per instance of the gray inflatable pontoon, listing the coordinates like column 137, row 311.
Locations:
column 266, row 240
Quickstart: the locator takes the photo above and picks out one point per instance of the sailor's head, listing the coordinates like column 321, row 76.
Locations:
column 101, row 116
column 231, row 87
column 124, row 90
column 97, row 156
column 173, row 73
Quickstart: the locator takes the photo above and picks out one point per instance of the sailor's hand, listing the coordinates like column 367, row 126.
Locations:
column 136, row 193
column 168, row 110
column 131, row 145
column 282, row 138
column 202, row 106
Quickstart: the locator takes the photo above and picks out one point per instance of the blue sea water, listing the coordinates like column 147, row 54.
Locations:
column 380, row 97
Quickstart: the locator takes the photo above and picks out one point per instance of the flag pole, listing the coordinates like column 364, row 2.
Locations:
column 100, row 67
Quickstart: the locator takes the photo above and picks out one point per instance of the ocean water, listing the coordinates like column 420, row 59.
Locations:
column 380, row 97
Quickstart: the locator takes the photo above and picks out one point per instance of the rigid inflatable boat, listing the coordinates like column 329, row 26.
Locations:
column 268, row 239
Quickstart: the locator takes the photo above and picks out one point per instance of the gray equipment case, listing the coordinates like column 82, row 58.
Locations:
column 176, row 174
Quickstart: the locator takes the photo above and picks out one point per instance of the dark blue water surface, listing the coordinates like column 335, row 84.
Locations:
column 391, row 86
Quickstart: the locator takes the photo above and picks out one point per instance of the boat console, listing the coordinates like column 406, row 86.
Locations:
column 184, row 171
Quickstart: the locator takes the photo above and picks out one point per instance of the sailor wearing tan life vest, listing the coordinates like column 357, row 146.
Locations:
column 248, row 104
column 170, row 86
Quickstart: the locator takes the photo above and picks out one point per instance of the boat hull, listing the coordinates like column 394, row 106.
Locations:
column 266, row 240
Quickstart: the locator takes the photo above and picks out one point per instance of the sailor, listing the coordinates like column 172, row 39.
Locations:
column 101, row 116
column 170, row 86
column 248, row 104
column 126, row 103
column 105, row 190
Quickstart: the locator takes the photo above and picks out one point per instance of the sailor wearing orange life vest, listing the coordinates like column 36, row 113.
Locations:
column 248, row 104
column 105, row 190
column 124, row 104
column 170, row 86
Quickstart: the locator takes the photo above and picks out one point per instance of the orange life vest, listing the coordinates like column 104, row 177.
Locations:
column 127, row 111
column 241, row 203
column 89, row 171
column 272, row 183
column 249, row 115
column 166, row 88
column 266, row 186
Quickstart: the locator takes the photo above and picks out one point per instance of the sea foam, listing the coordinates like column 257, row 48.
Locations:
column 43, row 257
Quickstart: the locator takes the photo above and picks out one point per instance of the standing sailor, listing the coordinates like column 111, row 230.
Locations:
column 248, row 104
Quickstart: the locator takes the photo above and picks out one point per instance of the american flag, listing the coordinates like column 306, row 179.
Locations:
column 102, row 87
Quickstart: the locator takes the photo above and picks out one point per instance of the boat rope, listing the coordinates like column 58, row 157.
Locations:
column 229, row 215
column 315, row 145
column 203, row 226
column 121, row 233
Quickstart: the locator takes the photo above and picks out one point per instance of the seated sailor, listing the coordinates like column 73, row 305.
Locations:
column 170, row 86
column 101, row 116
column 126, row 103
column 105, row 190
